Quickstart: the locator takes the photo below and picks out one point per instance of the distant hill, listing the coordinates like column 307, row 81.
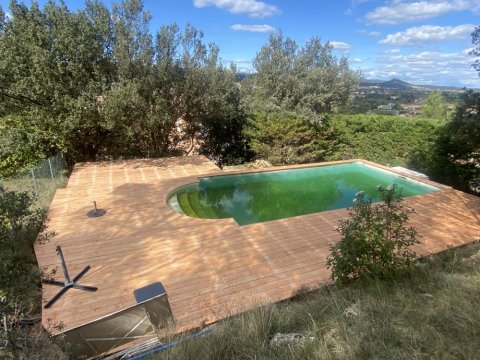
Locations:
column 402, row 85
column 394, row 84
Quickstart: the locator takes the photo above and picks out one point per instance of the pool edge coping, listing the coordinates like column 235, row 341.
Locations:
column 196, row 179
column 426, row 181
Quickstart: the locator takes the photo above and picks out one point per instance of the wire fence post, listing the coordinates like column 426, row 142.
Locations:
column 51, row 170
column 35, row 187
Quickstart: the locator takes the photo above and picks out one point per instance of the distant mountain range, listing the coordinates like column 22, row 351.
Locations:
column 402, row 85
column 396, row 84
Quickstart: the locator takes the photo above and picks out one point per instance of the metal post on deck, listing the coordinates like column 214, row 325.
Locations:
column 64, row 266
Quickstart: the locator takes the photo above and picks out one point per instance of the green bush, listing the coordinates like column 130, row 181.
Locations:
column 283, row 138
column 393, row 140
column 457, row 150
column 375, row 240
column 19, row 290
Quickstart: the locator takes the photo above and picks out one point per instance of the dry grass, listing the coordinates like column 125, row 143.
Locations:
column 431, row 312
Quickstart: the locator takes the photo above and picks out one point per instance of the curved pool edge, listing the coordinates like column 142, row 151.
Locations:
column 182, row 216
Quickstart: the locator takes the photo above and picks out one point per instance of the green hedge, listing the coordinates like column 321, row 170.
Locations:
column 393, row 140
column 285, row 138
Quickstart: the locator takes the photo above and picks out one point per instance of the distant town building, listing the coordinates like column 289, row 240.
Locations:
column 389, row 106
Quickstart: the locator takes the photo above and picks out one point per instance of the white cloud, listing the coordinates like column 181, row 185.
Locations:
column 356, row 61
column 392, row 51
column 253, row 28
column 253, row 8
column 354, row 4
column 427, row 34
column 340, row 45
column 427, row 67
column 369, row 33
column 432, row 58
column 401, row 11
column 468, row 51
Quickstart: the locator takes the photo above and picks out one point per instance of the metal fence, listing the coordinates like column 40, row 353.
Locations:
column 41, row 180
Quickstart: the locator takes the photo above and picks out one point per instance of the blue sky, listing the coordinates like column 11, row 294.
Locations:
column 421, row 41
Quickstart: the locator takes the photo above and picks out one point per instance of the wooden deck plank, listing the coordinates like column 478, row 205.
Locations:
column 210, row 268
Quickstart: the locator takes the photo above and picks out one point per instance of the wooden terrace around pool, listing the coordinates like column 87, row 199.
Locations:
column 210, row 268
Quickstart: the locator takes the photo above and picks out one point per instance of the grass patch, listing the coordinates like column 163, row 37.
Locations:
column 431, row 311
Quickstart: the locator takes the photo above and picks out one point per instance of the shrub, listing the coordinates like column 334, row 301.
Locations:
column 375, row 239
column 283, row 138
column 19, row 295
column 391, row 140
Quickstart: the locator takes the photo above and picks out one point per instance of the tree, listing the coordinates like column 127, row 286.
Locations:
column 435, row 107
column 95, row 84
column 52, row 70
column 476, row 49
column 309, row 80
column 3, row 19
column 19, row 146
column 457, row 161
column 197, row 90
column 458, row 148
column 375, row 240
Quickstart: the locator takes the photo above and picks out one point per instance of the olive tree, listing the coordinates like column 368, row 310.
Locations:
column 95, row 83
column 199, row 94
column 308, row 80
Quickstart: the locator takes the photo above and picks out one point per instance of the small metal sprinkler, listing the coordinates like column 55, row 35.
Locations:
column 96, row 212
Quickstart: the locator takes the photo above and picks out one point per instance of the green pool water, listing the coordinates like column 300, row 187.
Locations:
column 257, row 197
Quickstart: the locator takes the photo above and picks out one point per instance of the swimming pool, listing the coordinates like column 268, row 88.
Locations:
column 255, row 197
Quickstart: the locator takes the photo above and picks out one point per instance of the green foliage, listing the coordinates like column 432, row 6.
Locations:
column 375, row 239
column 20, row 147
column 18, row 225
column 390, row 140
column 435, row 107
column 95, row 83
column 309, row 81
column 286, row 139
column 202, row 93
column 457, row 150
column 222, row 139
column 21, row 219
column 476, row 49
column 52, row 68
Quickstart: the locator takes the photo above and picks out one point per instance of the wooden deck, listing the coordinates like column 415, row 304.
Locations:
column 211, row 269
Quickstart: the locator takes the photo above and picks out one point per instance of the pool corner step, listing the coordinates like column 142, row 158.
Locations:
column 184, row 204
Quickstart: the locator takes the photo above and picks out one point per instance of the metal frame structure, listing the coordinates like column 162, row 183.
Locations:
column 144, row 320
column 67, row 284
